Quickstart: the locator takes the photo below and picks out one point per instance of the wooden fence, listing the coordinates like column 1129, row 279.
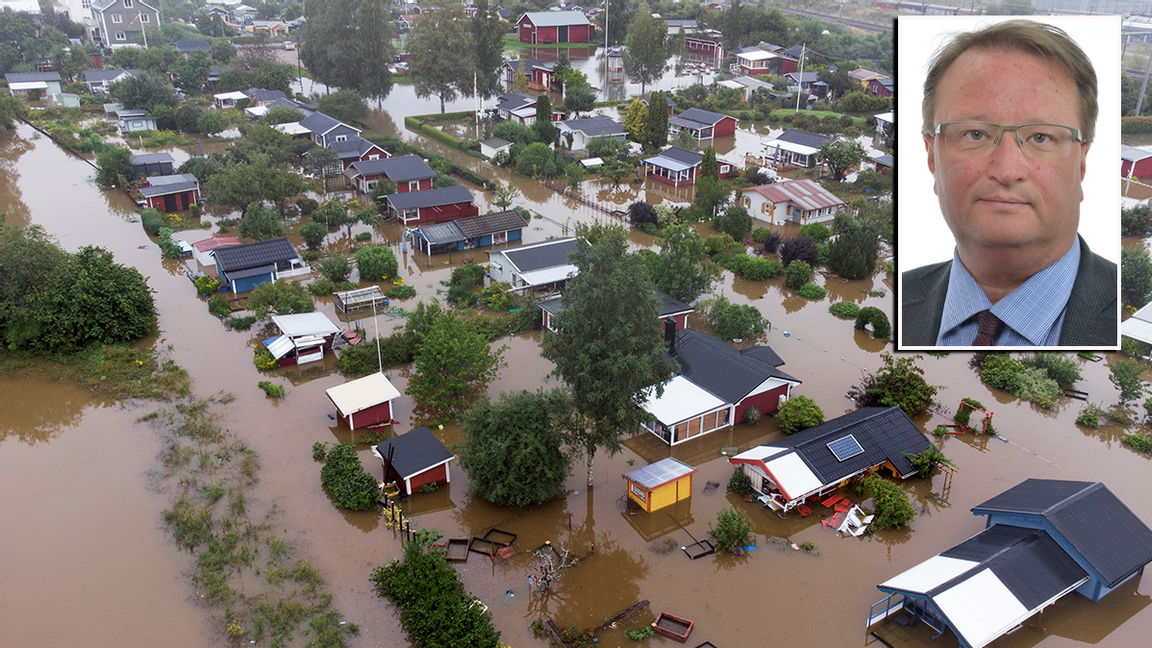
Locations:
column 401, row 523
column 562, row 188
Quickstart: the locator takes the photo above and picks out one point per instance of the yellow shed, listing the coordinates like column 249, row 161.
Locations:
column 660, row 484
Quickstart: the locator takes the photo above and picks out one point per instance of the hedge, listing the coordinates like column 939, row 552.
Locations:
column 1140, row 124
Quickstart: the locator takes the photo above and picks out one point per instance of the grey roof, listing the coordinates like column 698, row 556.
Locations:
column 1088, row 516
column 471, row 227
column 890, row 161
column 720, row 368
column 529, row 64
column 168, row 188
column 430, row 198
column 252, row 255
column 885, row 434
column 93, row 76
column 151, row 158
column 594, row 126
column 677, row 24
column 398, row 169
column 352, row 147
column 682, row 155
column 804, row 138
column 175, row 178
column 514, row 100
column 660, row 473
column 25, row 77
column 191, row 45
column 496, row 142
column 666, row 305
column 888, row 83
column 764, row 354
column 556, row 18
column 320, row 123
column 703, row 116
column 544, row 255
column 415, row 452
column 217, row 70
column 803, row 77
column 261, row 94
column 1133, row 154
column 441, row 233
column 797, row 50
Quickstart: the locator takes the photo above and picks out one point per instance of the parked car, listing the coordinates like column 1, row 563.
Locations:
column 289, row 45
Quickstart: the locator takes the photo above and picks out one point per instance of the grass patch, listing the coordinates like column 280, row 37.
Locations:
column 123, row 373
column 271, row 388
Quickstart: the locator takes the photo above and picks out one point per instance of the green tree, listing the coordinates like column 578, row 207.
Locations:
column 636, row 120
column 335, row 267
column 345, row 104
column 536, row 161
column 733, row 321
column 222, row 49
column 683, row 268
column 799, row 413
column 579, row 97
column 502, row 197
column 112, row 164
column 261, row 223
column 376, row 262
column 733, row 530
column 487, row 31
column 1126, row 376
column 710, row 192
column 645, row 52
column 1135, row 277
column 513, row 449
column 841, row 156
column 574, row 173
column 237, row 185
column 313, row 234
column 797, row 274
column 893, row 510
column 734, row 221
column 281, row 115
column 853, row 254
column 280, row 298
column 211, row 122
column 611, row 350
column 441, row 50
column 453, row 363
column 349, row 484
column 347, row 44
column 143, row 91
column 899, row 382
column 542, row 127
column 657, row 137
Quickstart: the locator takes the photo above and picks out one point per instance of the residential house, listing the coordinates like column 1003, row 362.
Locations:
column 515, row 105
column 431, row 206
column 669, row 100
column 262, row 97
column 326, row 130
column 667, row 308
column 244, row 267
column 747, row 86
column 821, row 459
column 303, row 338
column 365, row 401
column 121, row 23
column 1134, row 162
column 229, row 99
column 471, row 232
column 795, row 147
column 704, row 44
column 1043, row 539
column 258, row 111
column 886, row 125
column 538, row 266
column 753, row 61
column 717, row 383
column 243, row 14
column 797, row 201
column 677, row 166
column 886, row 163
column 98, row 81
column 660, row 484
column 884, row 87
column 409, row 172
column 152, row 164
column 702, row 124
column 490, row 147
column 537, row 73
column 204, row 251
column 131, row 121
column 548, row 27
column 47, row 83
column 170, row 193
column 270, row 28
column 414, row 459
column 581, row 131
column 186, row 47
column 357, row 149
column 863, row 76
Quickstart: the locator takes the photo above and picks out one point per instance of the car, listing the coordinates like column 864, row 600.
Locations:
column 289, row 45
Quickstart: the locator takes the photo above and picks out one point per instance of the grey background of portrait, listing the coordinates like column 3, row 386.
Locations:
column 923, row 236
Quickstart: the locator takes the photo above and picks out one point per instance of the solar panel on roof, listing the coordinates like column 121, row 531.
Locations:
column 845, row 448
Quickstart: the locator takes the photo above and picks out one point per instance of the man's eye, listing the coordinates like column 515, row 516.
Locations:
column 974, row 135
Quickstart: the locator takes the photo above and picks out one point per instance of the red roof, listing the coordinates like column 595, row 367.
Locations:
column 805, row 194
column 215, row 242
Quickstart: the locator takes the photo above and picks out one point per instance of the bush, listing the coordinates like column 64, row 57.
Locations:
column 218, row 305
column 893, row 510
column 1000, row 371
column 1133, row 348
column 335, row 267
column 751, row 416
column 761, row 269
column 740, row 483
column 271, row 388
column 797, row 274
column 206, row 284
column 280, row 298
column 313, row 234
column 347, row 482
column 241, row 323
column 401, row 292
column 818, row 232
column 263, row 359
column 468, row 275
column 1138, row 442
column 321, row 287
column 927, row 462
column 152, row 221
column 1059, row 367
column 733, row 530
column 760, row 234
column 799, row 248
column 376, row 262
column 881, row 328
column 733, row 321
column 844, row 309
column 319, row 451
column 640, row 213
column 799, row 413
column 306, row 206
column 964, row 411
column 812, row 291
column 498, row 296
column 772, row 242
column 261, row 223
column 735, row 222
column 1088, row 419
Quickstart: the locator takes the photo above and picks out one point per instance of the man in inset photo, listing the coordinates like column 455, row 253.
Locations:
column 1009, row 114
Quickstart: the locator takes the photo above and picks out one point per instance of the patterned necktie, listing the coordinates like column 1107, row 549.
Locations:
column 987, row 327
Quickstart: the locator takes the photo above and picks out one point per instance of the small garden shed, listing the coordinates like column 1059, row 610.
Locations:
column 364, row 401
column 660, row 484
column 414, row 459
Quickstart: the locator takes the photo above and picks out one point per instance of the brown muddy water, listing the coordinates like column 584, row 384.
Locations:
column 87, row 561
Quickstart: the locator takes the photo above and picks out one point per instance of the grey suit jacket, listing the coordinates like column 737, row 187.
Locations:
column 1089, row 318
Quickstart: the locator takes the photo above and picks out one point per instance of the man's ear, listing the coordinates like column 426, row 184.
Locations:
column 1083, row 167
column 929, row 142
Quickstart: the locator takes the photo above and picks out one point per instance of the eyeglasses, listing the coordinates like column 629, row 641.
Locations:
column 1038, row 141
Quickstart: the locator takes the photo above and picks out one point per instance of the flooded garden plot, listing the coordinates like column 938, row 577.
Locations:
column 796, row 597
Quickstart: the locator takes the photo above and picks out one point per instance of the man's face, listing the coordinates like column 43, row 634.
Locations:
column 1004, row 199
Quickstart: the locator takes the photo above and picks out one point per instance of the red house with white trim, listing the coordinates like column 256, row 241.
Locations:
column 703, row 124
column 677, row 166
column 547, row 27
column 365, row 401
column 170, row 193
column 414, row 459
column 432, row 206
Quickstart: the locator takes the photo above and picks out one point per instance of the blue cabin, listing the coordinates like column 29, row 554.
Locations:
column 1043, row 539
column 243, row 267
column 470, row 232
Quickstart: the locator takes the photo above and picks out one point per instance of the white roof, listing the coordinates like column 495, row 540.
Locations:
column 235, row 96
column 760, row 453
column 770, row 147
column 793, row 476
column 758, row 55
column 682, row 400
column 729, row 83
column 305, row 324
column 279, row 346
column 362, row 393
column 592, row 162
column 549, row 275
column 929, row 574
column 1139, row 325
column 28, row 85
column 293, row 128
column 527, row 111
column 981, row 608
column 257, row 111
column 1133, row 154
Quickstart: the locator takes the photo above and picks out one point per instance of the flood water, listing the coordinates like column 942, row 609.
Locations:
column 83, row 525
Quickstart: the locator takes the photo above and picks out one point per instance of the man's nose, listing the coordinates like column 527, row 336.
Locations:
column 1007, row 163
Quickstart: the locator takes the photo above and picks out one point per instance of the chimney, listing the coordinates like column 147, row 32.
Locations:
column 670, row 333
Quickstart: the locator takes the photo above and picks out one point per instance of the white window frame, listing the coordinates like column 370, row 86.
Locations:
column 117, row 19
column 121, row 36
column 127, row 4
column 341, row 138
column 413, row 185
column 144, row 20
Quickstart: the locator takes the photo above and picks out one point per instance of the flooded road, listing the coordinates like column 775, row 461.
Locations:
column 83, row 526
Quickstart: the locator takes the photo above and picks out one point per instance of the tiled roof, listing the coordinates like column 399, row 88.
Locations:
column 594, row 126
column 415, row 452
column 430, row 198
column 541, row 255
column 556, row 18
column 398, row 169
column 251, row 255
column 514, row 100
column 260, row 94
column 691, row 158
column 1088, row 516
column 884, row 433
column 662, row 472
column 93, row 76
column 484, row 224
column 805, row 194
column 720, row 368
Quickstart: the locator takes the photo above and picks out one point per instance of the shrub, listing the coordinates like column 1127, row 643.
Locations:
column 751, row 416
column 760, row 234
column 1088, row 419
column 280, row 298
column 927, row 462
column 640, row 213
column 799, row 248
column 206, row 284
column 242, row 323
column 818, row 232
column 893, row 510
column 218, row 306
column 733, row 530
column 844, row 309
column 1036, row 386
column 799, row 413
column 812, row 291
column 733, row 321
column 321, row 287
column 964, row 411
column 1059, row 367
column 167, row 245
column 1132, row 348
column 335, row 267
column 271, row 388
column 401, row 292
column 350, row 486
column 1000, row 371
column 797, row 274
column 762, row 269
column 306, row 206
column 498, row 296
column 1138, row 442
column 740, row 483
column 772, row 242
column 468, row 275
column 319, row 451
column 152, row 221
column 881, row 328
column 376, row 262
column 263, row 359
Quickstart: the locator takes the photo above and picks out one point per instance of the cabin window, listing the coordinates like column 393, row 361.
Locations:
column 710, row 421
column 127, row 4
column 143, row 18
column 724, row 168
column 500, row 237
column 413, row 185
column 120, row 36
column 638, row 491
column 117, row 19
column 693, row 427
column 747, row 201
column 341, row 138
